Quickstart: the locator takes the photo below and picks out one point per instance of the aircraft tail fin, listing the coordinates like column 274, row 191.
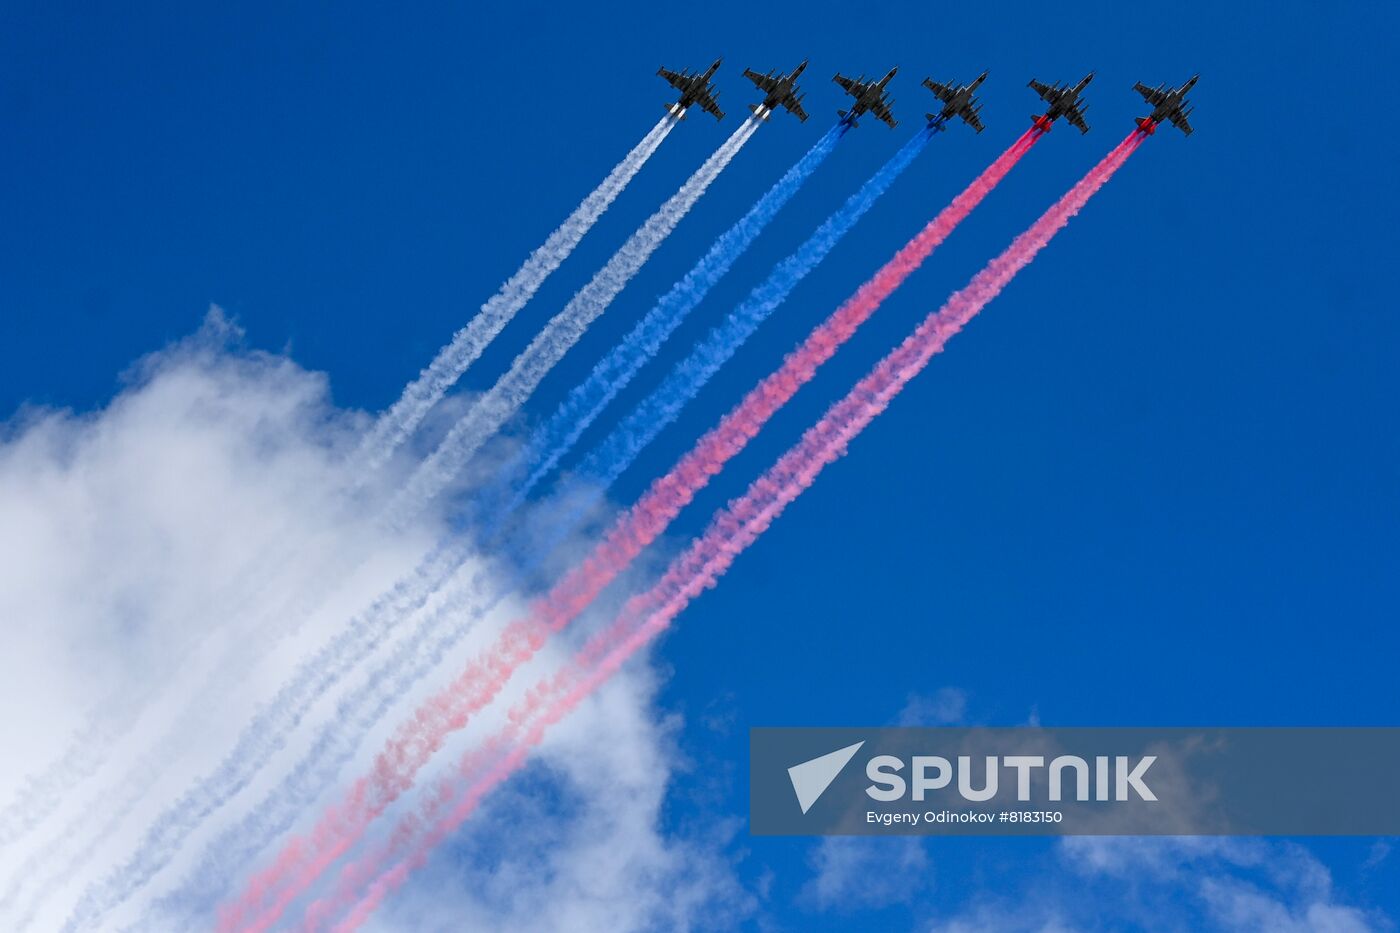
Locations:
column 678, row 113
column 1146, row 125
column 760, row 111
column 846, row 115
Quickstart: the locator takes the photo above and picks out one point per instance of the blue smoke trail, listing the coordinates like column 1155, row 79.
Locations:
column 610, row 458
column 586, row 402
column 601, row 468
column 442, row 628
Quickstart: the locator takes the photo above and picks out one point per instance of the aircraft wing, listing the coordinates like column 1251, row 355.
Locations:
column 708, row 104
column 1045, row 91
column 1076, row 120
column 1179, row 121
column 972, row 119
column 763, row 82
column 1150, row 94
column 676, row 81
column 794, row 107
column 942, row 91
column 848, row 84
column 881, row 110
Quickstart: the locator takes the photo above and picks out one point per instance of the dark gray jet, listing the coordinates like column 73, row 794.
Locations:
column 1063, row 101
column 781, row 91
column 869, row 96
column 1168, row 104
column 957, row 102
column 695, row 89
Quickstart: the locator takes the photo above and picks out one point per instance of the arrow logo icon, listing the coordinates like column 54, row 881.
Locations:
column 810, row 779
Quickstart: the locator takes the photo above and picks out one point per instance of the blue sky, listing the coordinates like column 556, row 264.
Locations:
column 1153, row 484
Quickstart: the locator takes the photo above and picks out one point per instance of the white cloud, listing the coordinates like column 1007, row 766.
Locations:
column 985, row 918
column 203, row 498
column 859, row 872
column 946, row 706
column 141, row 541
column 1238, row 884
column 1104, row 883
column 578, row 843
column 1380, row 851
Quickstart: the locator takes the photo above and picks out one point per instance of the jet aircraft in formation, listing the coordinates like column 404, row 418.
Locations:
column 869, row 96
column 695, row 89
column 1063, row 101
column 957, row 101
column 780, row 90
column 1168, row 104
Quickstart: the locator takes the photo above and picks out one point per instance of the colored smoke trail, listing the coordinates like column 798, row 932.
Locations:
column 265, row 736
column 48, row 869
column 43, row 792
column 699, row 567
column 607, row 461
column 333, row 746
column 396, row 424
column 89, row 747
column 555, row 438
column 413, row 744
column 490, row 411
column 277, row 811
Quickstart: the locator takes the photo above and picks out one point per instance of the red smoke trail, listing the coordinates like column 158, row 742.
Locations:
column 302, row 860
column 709, row 556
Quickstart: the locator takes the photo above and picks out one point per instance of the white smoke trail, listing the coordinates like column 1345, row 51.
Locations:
column 214, row 668
column 268, row 733
column 264, row 736
column 114, row 717
column 50, row 867
column 42, row 792
column 466, row 602
column 396, row 424
column 492, row 410
column 433, row 636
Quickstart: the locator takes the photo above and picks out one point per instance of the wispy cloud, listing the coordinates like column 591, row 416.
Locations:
column 141, row 530
column 136, row 541
column 851, row 873
column 577, row 844
column 1100, row 883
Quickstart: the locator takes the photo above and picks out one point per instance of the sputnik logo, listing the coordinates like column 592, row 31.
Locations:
column 810, row 779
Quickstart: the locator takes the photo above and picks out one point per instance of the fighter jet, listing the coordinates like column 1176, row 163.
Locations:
column 957, row 101
column 1167, row 104
column 781, row 90
column 695, row 89
column 1064, row 102
column 869, row 96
